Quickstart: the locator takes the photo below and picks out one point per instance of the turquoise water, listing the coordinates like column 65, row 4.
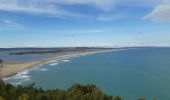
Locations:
column 129, row 73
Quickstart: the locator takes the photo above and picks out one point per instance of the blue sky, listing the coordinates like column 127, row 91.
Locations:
column 109, row 23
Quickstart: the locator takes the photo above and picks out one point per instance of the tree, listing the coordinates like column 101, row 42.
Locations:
column 117, row 98
column 29, row 92
column 154, row 98
column 23, row 97
column 141, row 98
column 1, row 98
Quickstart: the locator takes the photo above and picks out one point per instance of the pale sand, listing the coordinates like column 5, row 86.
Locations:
column 10, row 69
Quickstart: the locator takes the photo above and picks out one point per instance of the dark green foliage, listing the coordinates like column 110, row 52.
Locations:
column 141, row 98
column 76, row 92
column 154, row 98
column 117, row 98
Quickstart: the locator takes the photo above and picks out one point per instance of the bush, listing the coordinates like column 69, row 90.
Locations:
column 29, row 92
column 117, row 98
column 75, row 92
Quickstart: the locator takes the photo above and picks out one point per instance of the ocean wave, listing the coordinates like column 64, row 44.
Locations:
column 17, row 83
column 66, row 60
column 53, row 61
column 40, row 65
column 53, row 64
column 23, row 72
column 20, row 81
column 43, row 69
column 19, row 78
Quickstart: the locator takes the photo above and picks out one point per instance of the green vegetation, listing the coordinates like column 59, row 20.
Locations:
column 75, row 92
column 141, row 98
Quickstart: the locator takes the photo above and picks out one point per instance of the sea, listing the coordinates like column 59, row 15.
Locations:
column 130, row 73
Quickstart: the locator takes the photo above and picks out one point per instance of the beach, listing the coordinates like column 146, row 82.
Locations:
column 12, row 68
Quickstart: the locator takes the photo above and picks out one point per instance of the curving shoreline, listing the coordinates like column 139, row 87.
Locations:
column 11, row 69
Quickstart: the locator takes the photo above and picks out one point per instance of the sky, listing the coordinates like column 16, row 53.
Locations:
column 73, row 23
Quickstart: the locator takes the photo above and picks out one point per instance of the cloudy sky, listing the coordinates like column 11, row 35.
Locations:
column 57, row 23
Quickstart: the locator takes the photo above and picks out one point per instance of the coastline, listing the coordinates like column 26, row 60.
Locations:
column 11, row 69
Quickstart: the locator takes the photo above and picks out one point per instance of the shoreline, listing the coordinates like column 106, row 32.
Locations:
column 7, row 72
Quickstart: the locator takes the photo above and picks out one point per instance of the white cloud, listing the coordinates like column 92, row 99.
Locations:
column 56, row 8
column 10, row 22
column 111, row 17
column 109, row 4
column 34, row 7
column 6, row 24
column 82, row 31
column 103, row 4
column 161, row 13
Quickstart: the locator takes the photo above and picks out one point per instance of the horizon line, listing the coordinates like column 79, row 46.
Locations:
column 83, row 47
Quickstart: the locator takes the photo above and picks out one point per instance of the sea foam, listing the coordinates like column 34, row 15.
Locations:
column 66, row 60
column 19, row 78
column 53, row 64
column 43, row 69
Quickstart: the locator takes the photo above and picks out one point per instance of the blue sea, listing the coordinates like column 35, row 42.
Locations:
column 132, row 73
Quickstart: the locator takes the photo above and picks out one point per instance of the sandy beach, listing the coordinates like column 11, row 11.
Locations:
column 11, row 68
